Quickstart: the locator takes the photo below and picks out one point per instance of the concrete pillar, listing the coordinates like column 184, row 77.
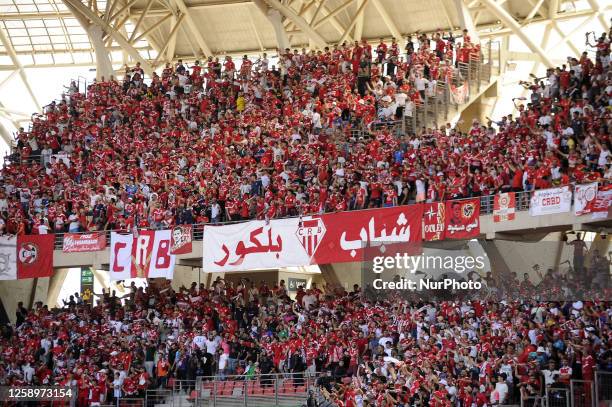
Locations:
column 55, row 285
column 276, row 19
column 104, row 67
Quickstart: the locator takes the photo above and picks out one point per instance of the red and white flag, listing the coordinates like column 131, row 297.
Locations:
column 504, row 207
column 34, row 256
column 584, row 198
column 146, row 256
column 603, row 202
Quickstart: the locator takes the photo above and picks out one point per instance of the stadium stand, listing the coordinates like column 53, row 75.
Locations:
column 218, row 143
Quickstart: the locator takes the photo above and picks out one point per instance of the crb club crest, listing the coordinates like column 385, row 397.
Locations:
column 28, row 253
column 310, row 233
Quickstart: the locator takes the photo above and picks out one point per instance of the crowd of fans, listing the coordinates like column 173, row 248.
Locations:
column 217, row 142
column 372, row 353
column 214, row 143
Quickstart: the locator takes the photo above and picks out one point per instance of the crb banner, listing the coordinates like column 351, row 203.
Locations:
column 330, row 238
column 550, row 201
column 504, row 207
column 462, row 219
column 584, row 198
column 603, row 202
column 145, row 255
column 434, row 221
column 79, row 242
column 181, row 239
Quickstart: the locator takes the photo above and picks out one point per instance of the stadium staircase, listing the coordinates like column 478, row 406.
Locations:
column 478, row 75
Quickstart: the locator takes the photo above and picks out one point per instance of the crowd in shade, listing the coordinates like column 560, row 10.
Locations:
column 213, row 142
column 365, row 353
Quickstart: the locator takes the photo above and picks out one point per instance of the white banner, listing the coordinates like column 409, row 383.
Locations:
column 254, row 245
column 162, row 262
column 584, row 198
column 8, row 258
column 120, row 266
column 549, row 201
column 146, row 256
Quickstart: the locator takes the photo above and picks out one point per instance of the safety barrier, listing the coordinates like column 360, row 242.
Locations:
column 582, row 393
column 557, row 397
column 603, row 388
column 522, row 202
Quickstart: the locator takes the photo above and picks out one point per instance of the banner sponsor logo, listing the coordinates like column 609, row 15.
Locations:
column 181, row 239
column 89, row 242
column 504, row 207
column 550, row 201
column 584, row 198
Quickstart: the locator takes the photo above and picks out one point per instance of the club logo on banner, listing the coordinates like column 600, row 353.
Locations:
column 330, row 238
column 78, row 242
column 550, row 201
column 463, row 219
column 181, row 239
column 311, row 232
column 584, row 198
column 146, row 255
column 434, row 221
column 504, row 207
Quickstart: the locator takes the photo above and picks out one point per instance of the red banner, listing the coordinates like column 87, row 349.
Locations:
column 462, row 219
column 434, row 221
column 348, row 233
column 603, row 202
column 504, row 207
column 34, row 256
column 88, row 242
column 181, row 239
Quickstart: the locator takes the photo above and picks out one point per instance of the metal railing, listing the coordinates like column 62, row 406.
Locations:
column 603, row 388
column 557, row 397
column 582, row 393
column 522, row 203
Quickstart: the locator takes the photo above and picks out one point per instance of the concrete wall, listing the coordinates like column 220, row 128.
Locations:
column 14, row 291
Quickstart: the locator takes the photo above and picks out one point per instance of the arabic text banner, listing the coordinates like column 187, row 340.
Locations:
column 331, row 238
column 79, row 242
column 349, row 233
column 549, row 201
column 146, row 255
column 462, row 219
column 254, row 245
